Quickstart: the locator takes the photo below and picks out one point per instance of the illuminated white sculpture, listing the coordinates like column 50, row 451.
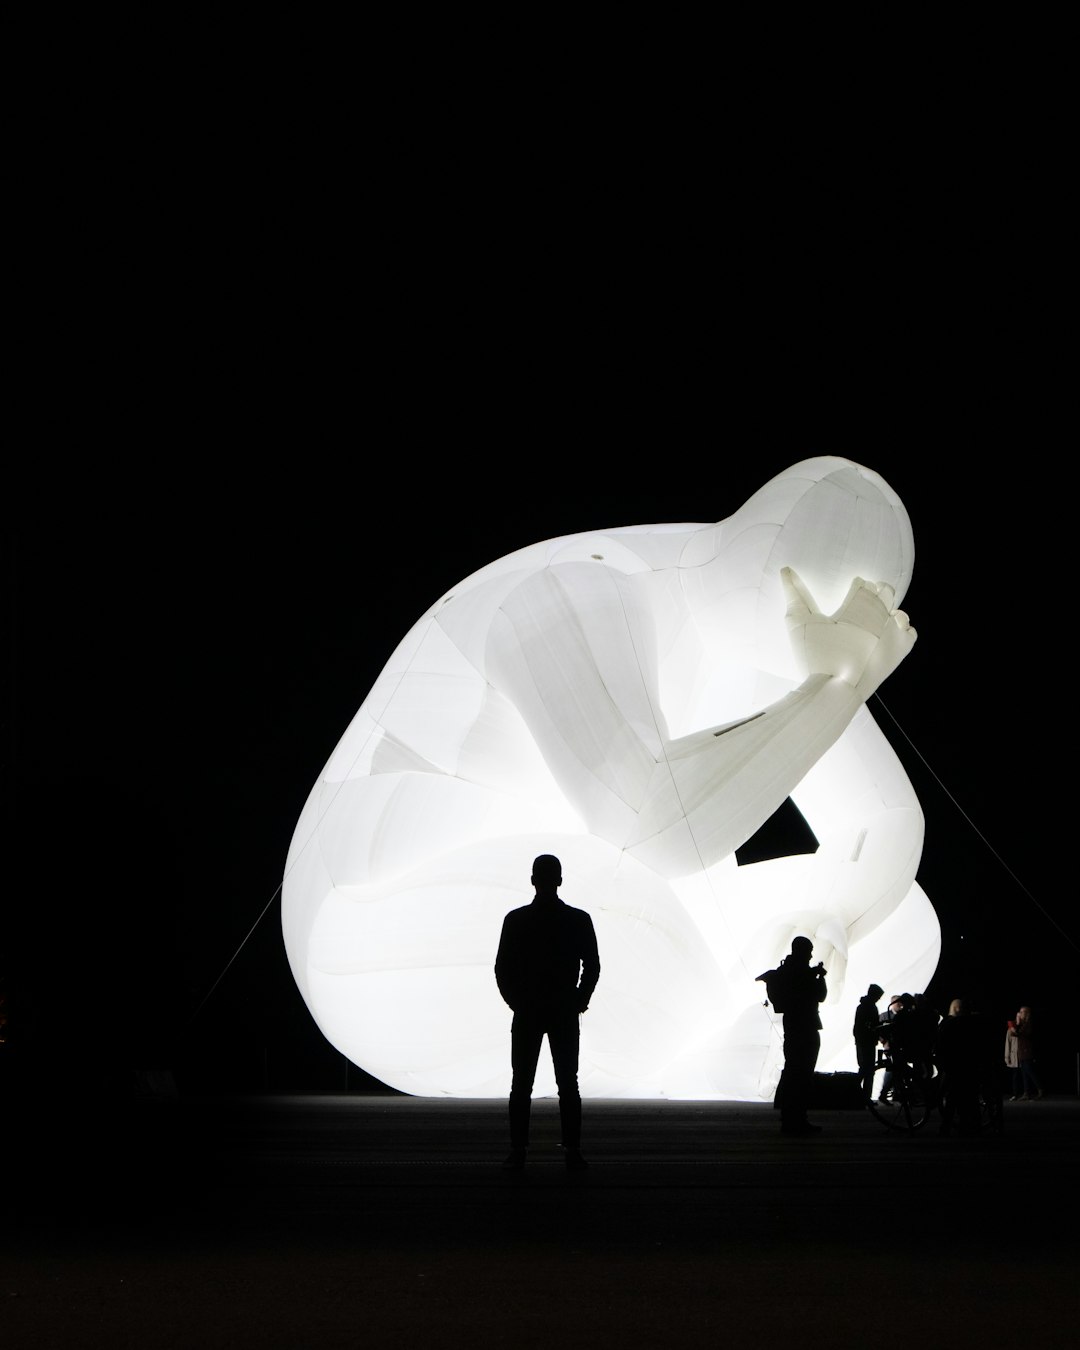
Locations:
column 638, row 702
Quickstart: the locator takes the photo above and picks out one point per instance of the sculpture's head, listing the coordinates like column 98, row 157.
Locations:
column 828, row 519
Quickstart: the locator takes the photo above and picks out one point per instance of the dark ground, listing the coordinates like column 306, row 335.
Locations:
column 326, row 1221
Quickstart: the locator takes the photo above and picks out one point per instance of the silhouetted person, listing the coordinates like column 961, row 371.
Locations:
column 925, row 1023
column 889, row 1016
column 959, row 1064
column 865, row 1031
column 905, row 1035
column 547, row 968
column 966, row 1055
column 1020, row 1057
column 989, row 1053
column 803, row 990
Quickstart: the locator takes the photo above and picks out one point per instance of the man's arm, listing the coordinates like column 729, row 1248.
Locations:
column 508, row 964
column 590, row 963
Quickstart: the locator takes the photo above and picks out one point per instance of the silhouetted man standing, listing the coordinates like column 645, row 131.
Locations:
column 547, row 968
column 865, row 1030
column 804, row 989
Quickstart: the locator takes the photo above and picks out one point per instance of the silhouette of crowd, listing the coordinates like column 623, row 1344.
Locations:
column 548, row 965
column 955, row 1060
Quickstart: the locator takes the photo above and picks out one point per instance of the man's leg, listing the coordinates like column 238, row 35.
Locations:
column 800, row 1057
column 525, row 1037
column 564, row 1040
column 948, row 1103
column 867, row 1057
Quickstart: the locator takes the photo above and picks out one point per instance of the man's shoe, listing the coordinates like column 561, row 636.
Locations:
column 575, row 1162
column 514, row 1160
column 803, row 1129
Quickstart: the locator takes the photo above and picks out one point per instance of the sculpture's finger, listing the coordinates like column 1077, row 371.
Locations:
column 800, row 603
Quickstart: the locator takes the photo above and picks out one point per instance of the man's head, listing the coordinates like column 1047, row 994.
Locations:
column 875, row 992
column 801, row 948
column 547, row 872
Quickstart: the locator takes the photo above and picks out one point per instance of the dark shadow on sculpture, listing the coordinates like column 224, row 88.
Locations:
column 785, row 834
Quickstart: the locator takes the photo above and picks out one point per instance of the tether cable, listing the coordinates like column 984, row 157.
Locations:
column 228, row 965
column 324, row 812
column 1049, row 917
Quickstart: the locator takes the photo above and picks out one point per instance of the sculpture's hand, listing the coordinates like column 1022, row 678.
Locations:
column 861, row 644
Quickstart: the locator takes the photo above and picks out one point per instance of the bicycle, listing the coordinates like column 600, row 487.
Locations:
column 904, row 1101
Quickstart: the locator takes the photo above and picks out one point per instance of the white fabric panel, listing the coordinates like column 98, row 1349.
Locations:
column 637, row 701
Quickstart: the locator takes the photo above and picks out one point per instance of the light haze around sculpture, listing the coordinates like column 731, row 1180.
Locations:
column 637, row 701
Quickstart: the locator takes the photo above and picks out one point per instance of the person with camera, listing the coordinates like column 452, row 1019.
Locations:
column 804, row 988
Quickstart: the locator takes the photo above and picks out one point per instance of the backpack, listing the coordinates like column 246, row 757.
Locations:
column 776, row 988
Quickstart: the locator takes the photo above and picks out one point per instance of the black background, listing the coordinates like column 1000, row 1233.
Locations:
column 282, row 400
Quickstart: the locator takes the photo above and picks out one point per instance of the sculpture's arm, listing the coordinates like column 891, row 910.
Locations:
column 575, row 666
column 713, row 789
column 860, row 645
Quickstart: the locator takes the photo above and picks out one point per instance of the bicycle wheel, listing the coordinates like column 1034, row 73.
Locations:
column 901, row 1102
column 921, row 1098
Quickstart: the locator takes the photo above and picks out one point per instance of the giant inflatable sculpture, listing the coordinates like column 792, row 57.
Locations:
column 637, row 701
